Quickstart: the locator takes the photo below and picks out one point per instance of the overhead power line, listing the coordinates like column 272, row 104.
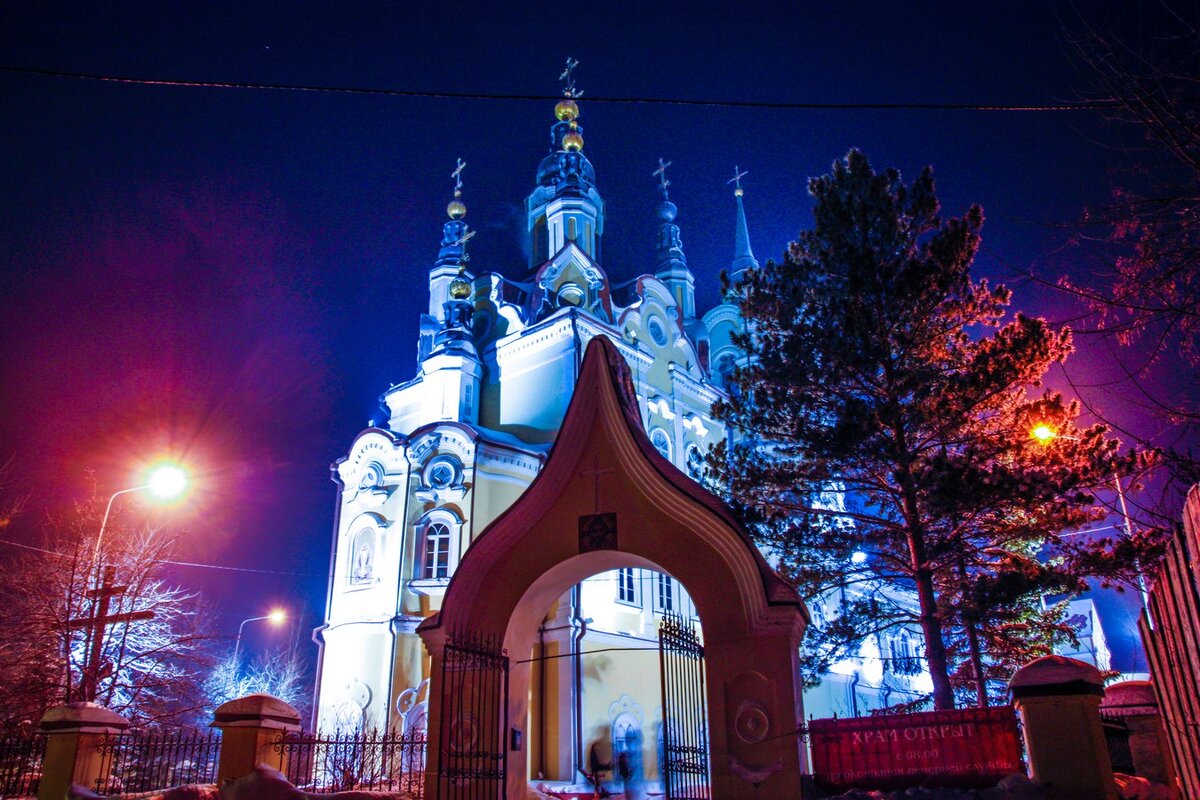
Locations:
column 1089, row 105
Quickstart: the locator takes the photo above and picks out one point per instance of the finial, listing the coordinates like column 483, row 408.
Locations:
column 457, row 209
column 569, row 90
column 661, row 174
column 460, row 287
column 737, row 180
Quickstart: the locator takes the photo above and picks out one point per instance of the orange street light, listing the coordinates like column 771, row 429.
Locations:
column 165, row 482
column 277, row 617
column 1045, row 434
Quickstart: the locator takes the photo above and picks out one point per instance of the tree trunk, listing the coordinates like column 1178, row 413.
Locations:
column 981, row 695
column 935, row 646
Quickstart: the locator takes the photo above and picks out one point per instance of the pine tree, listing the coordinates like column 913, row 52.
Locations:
column 884, row 407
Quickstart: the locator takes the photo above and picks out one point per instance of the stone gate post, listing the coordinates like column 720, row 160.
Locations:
column 73, row 734
column 249, row 727
column 1059, row 702
column 1134, row 702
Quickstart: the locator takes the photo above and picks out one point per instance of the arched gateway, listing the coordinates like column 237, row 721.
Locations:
column 606, row 499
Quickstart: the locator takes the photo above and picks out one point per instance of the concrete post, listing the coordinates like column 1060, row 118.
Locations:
column 73, row 735
column 1059, row 702
column 1134, row 702
column 250, row 727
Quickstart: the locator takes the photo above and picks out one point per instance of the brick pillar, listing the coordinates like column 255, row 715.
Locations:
column 1134, row 702
column 73, row 734
column 1059, row 702
column 250, row 727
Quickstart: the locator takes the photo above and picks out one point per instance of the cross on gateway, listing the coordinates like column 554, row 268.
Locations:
column 596, row 472
column 661, row 174
column 737, row 177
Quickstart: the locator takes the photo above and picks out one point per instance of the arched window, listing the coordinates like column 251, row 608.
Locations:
column 695, row 462
column 661, row 442
column 437, row 552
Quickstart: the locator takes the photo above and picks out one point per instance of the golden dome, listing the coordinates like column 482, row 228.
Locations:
column 566, row 110
column 573, row 141
column 460, row 288
column 457, row 209
column 737, row 192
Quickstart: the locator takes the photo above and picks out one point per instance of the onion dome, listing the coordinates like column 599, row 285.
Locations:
column 567, row 110
column 667, row 211
column 460, row 287
column 457, row 209
column 573, row 140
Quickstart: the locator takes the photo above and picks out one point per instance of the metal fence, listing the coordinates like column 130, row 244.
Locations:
column 380, row 760
column 1116, row 733
column 147, row 761
column 21, row 765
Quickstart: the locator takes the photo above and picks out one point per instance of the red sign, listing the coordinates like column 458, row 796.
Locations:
column 966, row 747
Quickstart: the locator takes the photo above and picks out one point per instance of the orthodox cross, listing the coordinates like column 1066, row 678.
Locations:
column 457, row 175
column 97, row 623
column 468, row 234
column 595, row 472
column 661, row 174
column 568, row 79
column 736, row 180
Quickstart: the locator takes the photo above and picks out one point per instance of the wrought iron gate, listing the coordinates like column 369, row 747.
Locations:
column 684, row 760
column 474, row 720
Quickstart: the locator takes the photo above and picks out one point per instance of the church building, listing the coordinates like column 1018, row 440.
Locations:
column 499, row 357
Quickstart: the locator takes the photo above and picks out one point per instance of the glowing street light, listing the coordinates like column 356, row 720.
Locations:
column 277, row 617
column 1046, row 434
column 165, row 482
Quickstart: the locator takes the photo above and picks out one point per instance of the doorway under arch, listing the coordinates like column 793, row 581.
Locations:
column 607, row 500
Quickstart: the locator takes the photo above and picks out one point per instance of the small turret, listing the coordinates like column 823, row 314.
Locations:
column 743, row 256
column 565, row 206
column 450, row 255
column 670, row 263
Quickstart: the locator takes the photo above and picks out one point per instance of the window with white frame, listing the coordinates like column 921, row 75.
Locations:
column 664, row 599
column 437, row 552
column 627, row 586
column 436, row 536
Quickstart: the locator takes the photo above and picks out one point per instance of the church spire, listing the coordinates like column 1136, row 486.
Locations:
column 451, row 263
column 671, row 265
column 743, row 256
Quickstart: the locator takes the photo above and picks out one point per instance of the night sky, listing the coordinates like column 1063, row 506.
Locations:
column 232, row 276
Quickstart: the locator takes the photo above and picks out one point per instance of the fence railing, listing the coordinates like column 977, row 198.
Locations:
column 379, row 760
column 21, row 765
column 1116, row 734
column 147, row 761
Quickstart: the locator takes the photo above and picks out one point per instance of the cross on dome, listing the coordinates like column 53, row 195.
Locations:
column 661, row 174
column 568, row 80
column 457, row 175
column 737, row 180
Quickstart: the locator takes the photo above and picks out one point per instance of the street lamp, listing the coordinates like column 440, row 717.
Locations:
column 277, row 617
column 1046, row 434
column 165, row 482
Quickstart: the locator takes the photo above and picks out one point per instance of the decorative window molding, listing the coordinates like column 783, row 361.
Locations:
column 695, row 423
column 436, row 551
column 629, row 587
column 441, row 480
column 661, row 406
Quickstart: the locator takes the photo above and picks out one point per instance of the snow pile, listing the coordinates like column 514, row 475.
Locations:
column 1130, row 787
column 1013, row 787
column 198, row 792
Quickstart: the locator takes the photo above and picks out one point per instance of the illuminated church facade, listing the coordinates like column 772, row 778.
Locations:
column 499, row 356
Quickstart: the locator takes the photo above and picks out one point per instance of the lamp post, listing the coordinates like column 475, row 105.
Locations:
column 165, row 482
column 277, row 617
column 1045, row 434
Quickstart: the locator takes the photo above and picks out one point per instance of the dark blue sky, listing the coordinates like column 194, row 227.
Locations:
column 235, row 275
